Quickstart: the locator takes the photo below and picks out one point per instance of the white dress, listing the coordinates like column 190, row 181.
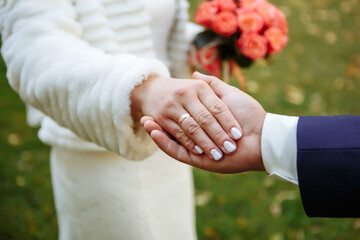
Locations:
column 77, row 63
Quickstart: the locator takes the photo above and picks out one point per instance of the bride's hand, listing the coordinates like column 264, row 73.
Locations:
column 209, row 126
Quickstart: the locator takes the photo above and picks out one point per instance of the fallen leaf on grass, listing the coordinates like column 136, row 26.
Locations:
column 211, row 233
column 276, row 209
column 14, row 139
column 277, row 236
column 241, row 222
column 20, row 181
column 203, row 198
column 351, row 71
column 357, row 224
column 330, row 37
column 294, row 95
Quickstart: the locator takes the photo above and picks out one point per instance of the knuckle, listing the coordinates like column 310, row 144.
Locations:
column 192, row 129
column 160, row 119
column 218, row 108
column 200, row 84
column 188, row 143
column 205, row 118
column 206, row 146
column 182, row 92
column 184, row 139
column 180, row 136
column 169, row 103
column 220, row 137
column 215, row 79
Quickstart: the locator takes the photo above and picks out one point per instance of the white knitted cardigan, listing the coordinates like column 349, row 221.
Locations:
column 77, row 62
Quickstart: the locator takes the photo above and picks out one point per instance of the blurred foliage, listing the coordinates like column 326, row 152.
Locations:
column 26, row 201
column 317, row 74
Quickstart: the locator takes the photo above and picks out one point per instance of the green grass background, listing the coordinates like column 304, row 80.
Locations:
column 317, row 74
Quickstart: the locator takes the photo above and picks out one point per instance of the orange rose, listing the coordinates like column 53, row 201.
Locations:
column 210, row 60
column 250, row 4
column 206, row 13
column 280, row 22
column 273, row 17
column 227, row 5
column 249, row 21
column 276, row 39
column 268, row 12
column 225, row 23
column 252, row 45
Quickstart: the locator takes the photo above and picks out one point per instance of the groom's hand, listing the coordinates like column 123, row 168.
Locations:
column 248, row 112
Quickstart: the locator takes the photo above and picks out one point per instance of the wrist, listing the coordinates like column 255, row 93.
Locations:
column 259, row 163
column 138, row 98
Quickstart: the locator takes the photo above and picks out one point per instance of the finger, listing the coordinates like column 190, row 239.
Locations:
column 199, row 136
column 145, row 118
column 194, row 132
column 219, row 87
column 208, row 123
column 177, row 151
column 179, row 134
column 151, row 125
column 222, row 113
column 170, row 147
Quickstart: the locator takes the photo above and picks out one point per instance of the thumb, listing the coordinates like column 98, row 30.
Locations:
column 218, row 86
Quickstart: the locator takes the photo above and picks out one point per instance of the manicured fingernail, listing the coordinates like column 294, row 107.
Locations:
column 235, row 132
column 216, row 154
column 198, row 149
column 229, row 146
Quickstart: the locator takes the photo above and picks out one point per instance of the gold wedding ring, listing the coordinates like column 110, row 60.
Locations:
column 183, row 117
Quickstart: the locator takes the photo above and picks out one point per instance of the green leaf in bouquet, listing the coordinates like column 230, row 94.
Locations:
column 243, row 61
column 207, row 37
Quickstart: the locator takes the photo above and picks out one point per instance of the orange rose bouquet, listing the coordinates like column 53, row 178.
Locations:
column 237, row 33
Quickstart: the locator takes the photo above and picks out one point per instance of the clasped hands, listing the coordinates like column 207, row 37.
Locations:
column 202, row 122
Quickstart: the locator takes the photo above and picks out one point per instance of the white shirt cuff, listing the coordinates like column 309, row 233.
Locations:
column 279, row 147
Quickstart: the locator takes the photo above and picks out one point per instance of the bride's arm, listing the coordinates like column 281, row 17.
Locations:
column 80, row 87
column 90, row 92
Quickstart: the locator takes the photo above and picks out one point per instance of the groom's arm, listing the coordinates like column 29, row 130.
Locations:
column 322, row 155
column 328, row 164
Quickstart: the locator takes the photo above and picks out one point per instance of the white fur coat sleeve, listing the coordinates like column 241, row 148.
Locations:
column 78, row 86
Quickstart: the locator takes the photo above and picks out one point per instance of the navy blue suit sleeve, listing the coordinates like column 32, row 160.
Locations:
column 328, row 165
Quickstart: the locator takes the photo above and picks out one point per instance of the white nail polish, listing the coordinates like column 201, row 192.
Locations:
column 235, row 132
column 216, row 154
column 198, row 149
column 229, row 146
